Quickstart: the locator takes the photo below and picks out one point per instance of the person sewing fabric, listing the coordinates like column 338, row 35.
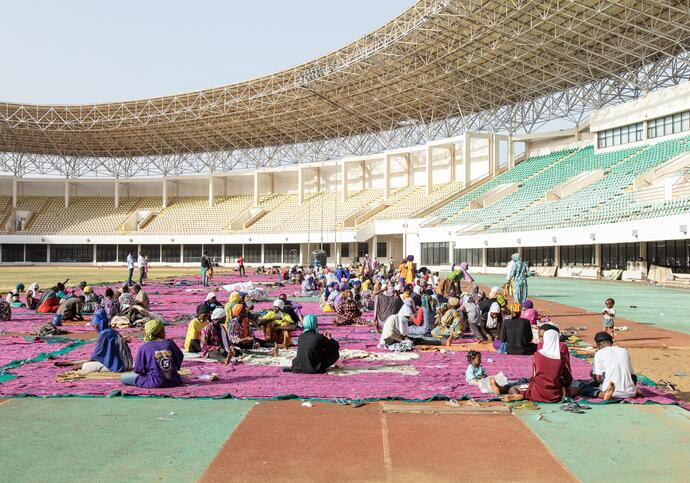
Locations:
column 141, row 298
column 277, row 326
column 158, row 360
column 348, row 311
column 315, row 352
column 215, row 340
column 395, row 330
column 110, row 304
column 70, row 309
column 111, row 352
column 450, row 324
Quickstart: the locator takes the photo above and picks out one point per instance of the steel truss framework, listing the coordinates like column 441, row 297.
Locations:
column 441, row 68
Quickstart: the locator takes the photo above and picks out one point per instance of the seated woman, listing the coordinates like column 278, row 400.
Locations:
column 32, row 296
column 315, row 352
column 215, row 341
column 529, row 312
column 516, row 333
column 70, row 309
column 240, row 329
column 308, row 287
column 387, row 302
column 110, row 304
column 449, row 326
column 277, row 326
column 50, row 302
column 91, row 301
column 348, row 312
column 552, row 375
column 294, row 310
column 158, row 360
column 395, row 330
column 5, row 311
column 126, row 300
column 192, row 342
column 112, row 352
column 17, row 302
column 427, row 311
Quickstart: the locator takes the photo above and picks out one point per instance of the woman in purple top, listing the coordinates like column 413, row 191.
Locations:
column 158, row 360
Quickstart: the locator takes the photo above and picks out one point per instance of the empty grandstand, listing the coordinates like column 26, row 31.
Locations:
column 425, row 137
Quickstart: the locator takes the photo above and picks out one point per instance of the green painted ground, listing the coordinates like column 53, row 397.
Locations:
column 617, row 442
column 661, row 306
column 116, row 439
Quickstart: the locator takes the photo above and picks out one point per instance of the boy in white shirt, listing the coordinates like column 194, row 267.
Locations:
column 609, row 314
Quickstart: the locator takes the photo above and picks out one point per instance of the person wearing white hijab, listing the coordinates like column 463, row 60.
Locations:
column 551, row 346
column 395, row 327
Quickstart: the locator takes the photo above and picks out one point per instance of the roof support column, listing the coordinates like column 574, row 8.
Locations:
column 386, row 176
column 66, row 194
column 14, row 192
column 300, row 185
column 429, row 170
column 493, row 155
column 451, row 153
column 410, row 169
column 256, row 188
column 210, row 191
column 467, row 160
column 511, row 152
column 343, row 169
column 117, row 193
column 165, row 192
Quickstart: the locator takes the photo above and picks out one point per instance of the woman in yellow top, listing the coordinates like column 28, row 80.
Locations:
column 409, row 269
column 192, row 342
column 234, row 299
column 278, row 326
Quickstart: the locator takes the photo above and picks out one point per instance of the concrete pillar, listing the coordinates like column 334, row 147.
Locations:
column 256, row 188
column 451, row 248
column 597, row 255
column 644, row 130
column 343, row 169
column 467, row 160
column 66, row 194
column 319, row 175
column 643, row 251
column 14, row 192
column 429, row 170
column 300, row 185
column 494, row 155
column 511, row 153
column 270, row 186
column 338, row 253
column 557, row 256
column 451, row 153
column 117, row 193
column 386, row 177
column 410, row 169
column 484, row 258
column 165, row 192
column 364, row 175
column 182, row 253
column 210, row 191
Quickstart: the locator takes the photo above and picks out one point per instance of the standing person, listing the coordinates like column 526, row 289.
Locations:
column 205, row 268
column 146, row 267
column 130, row 267
column 240, row 263
column 609, row 314
column 519, row 271
column 142, row 268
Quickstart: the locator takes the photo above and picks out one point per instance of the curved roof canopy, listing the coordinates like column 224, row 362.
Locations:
column 437, row 60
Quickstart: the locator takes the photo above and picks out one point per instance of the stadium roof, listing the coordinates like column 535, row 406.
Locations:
column 440, row 67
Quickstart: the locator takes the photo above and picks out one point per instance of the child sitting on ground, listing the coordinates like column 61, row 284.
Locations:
column 609, row 314
column 476, row 374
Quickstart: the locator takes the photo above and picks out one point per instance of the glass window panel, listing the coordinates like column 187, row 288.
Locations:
column 170, row 253
column 39, row 253
column 12, row 252
column 252, row 253
column 106, row 253
column 232, row 253
column 291, row 253
column 273, row 253
column 345, row 250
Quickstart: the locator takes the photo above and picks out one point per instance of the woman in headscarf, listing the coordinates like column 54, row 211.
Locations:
column 315, row 352
column 112, row 352
column 50, row 301
column 347, row 311
column 277, row 326
column 409, row 269
column 529, row 312
column 18, row 289
column 308, row 287
column 450, row 325
column 91, row 301
column 126, row 300
column 395, row 330
column 387, row 303
column 464, row 269
column 158, row 360
column 192, row 342
column 234, row 299
column 519, row 271
column 32, row 296
column 428, row 314
column 215, row 340
column 239, row 327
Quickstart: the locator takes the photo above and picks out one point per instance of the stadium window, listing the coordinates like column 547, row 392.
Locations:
column 326, row 247
column 621, row 135
column 273, row 253
column 215, row 253
column 106, row 253
column 674, row 254
column 39, row 253
column 473, row 256
column 291, row 253
column 667, row 125
column 685, row 121
column 499, row 257
column 71, row 253
column 381, row 250
column 615, row 256
column 122, row 252
column 151, row 251
column 13, row 253
column 362, row 249
column 192, row 253
column 170, row 253
column 577, row 256
column 252, row 253
column 435, row 253
column 232, row 253
column 539, row 256
column 345, row 250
